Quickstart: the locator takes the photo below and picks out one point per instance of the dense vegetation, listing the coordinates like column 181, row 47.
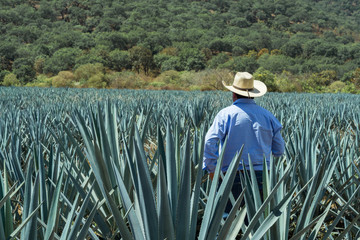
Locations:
column 100, row 164
column 297, row 45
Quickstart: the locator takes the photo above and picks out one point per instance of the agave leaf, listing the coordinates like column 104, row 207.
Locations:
column 211, row 198
column 171, row 173
column 146, row 123
column 136, row 227
column 2, row 229
column 99, row 219
column 84, row 230
column 30, row 231
column 7, row 195
column 39, row 160
column 260, row 211
column 76, row 226
column 249, row 198
column 54, row 213
column 222, row 196
column 348, row 228
column 194, row 203
column 341, row 213
column 229, row 222
column 238, row 223
column 102, row 178
column 111, row 130
column 183, row 207
column 146, row 195
column 22, row 225
column 166, row 225
column 8, row 217
column 303, row 231
column 311, row 200
column 315, row 231
column 160, row 143
column 273, row 216
column 28, row 188
column 69, row 219
column 113, row 208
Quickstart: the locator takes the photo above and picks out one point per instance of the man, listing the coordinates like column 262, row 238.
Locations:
column 243, row 123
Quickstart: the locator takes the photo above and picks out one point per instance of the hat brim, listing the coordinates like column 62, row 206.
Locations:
column 259, row 89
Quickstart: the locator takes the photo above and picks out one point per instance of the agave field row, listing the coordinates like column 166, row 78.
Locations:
column 127, row 164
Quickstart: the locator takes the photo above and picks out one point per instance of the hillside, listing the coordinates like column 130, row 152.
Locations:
column 297, row 38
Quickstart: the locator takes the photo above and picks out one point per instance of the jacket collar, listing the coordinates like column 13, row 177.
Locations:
column 244, row 100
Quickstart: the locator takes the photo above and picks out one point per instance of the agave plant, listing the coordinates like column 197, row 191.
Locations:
column 100, row 164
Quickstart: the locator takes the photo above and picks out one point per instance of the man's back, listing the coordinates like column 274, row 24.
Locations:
column 244, row 123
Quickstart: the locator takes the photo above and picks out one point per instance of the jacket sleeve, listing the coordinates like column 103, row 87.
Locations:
column 278, row 144
column 211, row 149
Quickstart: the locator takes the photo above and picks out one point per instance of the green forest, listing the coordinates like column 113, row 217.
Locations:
column 291, row 45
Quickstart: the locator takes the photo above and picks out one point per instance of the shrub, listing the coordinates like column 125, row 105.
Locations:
column 63, row 79
column 40, row 81
column 86, row 71
column 157, row 85
column 96, row 81
column 3, row 73
column 126, row 79
column 266, row 77
column 336, row 87
column 212, row 79
column 286, row 82
column 11, row 80
column 169, row 77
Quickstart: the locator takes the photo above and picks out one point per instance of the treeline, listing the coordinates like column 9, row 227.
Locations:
column 297, row 45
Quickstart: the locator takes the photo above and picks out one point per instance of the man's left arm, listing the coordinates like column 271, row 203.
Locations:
column 211, row 148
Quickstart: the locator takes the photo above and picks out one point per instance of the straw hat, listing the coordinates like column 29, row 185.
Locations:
column 245, row 85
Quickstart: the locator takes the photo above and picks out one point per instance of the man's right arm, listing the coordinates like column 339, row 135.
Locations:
column 278, row 144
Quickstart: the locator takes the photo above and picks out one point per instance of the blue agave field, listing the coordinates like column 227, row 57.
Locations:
column 126, row 164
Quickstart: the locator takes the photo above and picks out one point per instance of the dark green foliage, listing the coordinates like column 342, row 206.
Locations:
column 104, row 30
column 141, row 58
column 62, row 59
column 23, row 69
column 275, row 63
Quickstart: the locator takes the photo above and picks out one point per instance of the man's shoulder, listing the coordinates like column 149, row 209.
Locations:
column 229, row 110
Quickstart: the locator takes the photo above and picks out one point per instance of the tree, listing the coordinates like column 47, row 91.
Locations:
column 98, row 54
column 241, row 64
column 155, row 41
column 112, row 40
column 23, row 69
column 192, row 59
column 7, row 53
column 218, row 60
column 281, row 22
column 292, row 49
column 119, row 60
column 63, row 59
column 219, row 45
column 275, row 63
column 141, row 58
column 167, row 62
